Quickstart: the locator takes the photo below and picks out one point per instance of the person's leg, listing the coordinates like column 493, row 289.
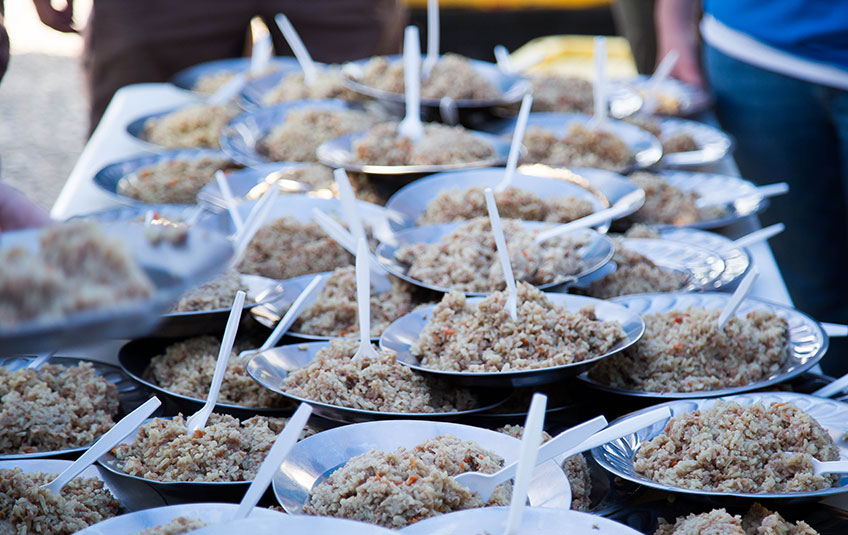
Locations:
column 635, row 20
column 784, row 133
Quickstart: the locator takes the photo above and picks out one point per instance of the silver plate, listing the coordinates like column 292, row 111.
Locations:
column 172, row 269
column 692, row 99
column 534, row 521
column 736, row 260
column 130, row 395
column 295, row 524
column 703, row 267
column 647, row 150
column 188, row 77
column 135, row 128
column 177, row 213
column 595, row 254
column 211, row 513
column 617, row 456
column 314, row 458
column 807, row 340
column 108, row 178
column 270, row 368
column 243, row 180
column 404, row 332
column 713, row 144
column 339, row 152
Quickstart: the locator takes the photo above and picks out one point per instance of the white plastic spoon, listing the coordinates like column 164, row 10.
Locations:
column 229, row 200
column 229, row 90
column 253, row 223
column 738, row 296
column 411, row 126
column 276, row 455
column 656, row 80
column 829, row 467
column 530, row 441
column 104, row 444
column 517, row 140
column 363, row 302
column 601, row 216
column 263, row 47
column 503, row 254
column 599, row 84
column 618, row 430
column 288, row 319
column 503, row 60
column 348, row 198
column 835, row 330
column 432, row 38
column 763, row 192
column 757, row 236
column 310, row 70
column 198, row 420
column 485, row 484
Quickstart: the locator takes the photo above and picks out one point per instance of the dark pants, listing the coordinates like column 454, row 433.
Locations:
column 131, row 42
column 794, row 131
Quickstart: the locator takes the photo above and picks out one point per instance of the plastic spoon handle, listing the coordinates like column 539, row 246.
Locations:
column 599, row 119
column 773, row 190
column 310, row 70
column 411, row 126
column 620, row 429
column 835, row 330
column 737, row 297
column 348, row 199
column 833, row 388
column 276, row 455
column 503, row 254
column 432, row 37
column 656, row 79
column 503, row 60
column 762, row 192
column 292, row 313
column 104, row 444
column 229, row 90
column 829, row 467
column 363, row 300
column 260, row 56
column 517, row 140
column 253, row 223
column 229, row 200
column 198, row 420
column 530, row 441
column 602, row 216
column 758, row 235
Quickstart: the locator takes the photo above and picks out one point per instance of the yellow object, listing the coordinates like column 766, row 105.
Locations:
column 572, row 55
column 512, row 4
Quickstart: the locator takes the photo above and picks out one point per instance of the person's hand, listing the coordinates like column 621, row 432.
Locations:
column 17, row 212
column 677, row 28
column 59, row 19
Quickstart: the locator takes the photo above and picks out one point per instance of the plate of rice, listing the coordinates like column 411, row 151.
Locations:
column 207, row 77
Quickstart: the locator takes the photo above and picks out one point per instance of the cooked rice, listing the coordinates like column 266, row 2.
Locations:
column 566, row 94
column 335, row 312
column 440, row 145
column 680, row 142
column 581, row 147
column 54, row 408
column 373, row 384
column 513, row 203
column 177, row 526
column 215, row 294
column 329, row 83
column 739, row 448
column 175, row 181
column 685, row 351
column 320, row 177
column 757, row 521
column 669, row 205
column 482, row 337
column 224, row 450
column 395, row 489
column 209, row 83
column 452, row 76
column 634, row 274
column 197, row 125
column 78, row 267
column 26, row 509
column 467, row 258
column 187, row 367
column 297, row 139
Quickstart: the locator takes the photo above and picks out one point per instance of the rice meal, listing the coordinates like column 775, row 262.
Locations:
column 304, row 129
column 440, row 145
column 209, row 83
column 513, row 203
column 482, row 337
column 177, row 526
column 374, row 384
column 198, row 125
column 320, row 178
column 395, row 489
column 566, row 94
column 581, row 147
column 215, row 294
column 287, row 247
column 78, row 267
column 335, row 313
column 329, row 83
column 187, row 367
column 175, row 181
column 26, row 509
column 679, row 142
column 224, row 450
column 467, row 258
column 635, row 274
column 757, row 521
column 54, row 408
column 575, row 467
column 452, row 76
column 739, row 448
column 668, row 205
column 685, row 351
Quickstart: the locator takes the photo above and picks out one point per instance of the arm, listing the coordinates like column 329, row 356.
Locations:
column 18, row 212
column 59, row 19
column 677, row 27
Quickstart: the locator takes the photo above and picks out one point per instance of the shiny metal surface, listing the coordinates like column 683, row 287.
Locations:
column 211, row 513
column 713, row 144
column 243, row 181
column 703, row 267
column 692, row 99
column 177, row 213
column 188, row 77
column 736, row 260
column 295, row 524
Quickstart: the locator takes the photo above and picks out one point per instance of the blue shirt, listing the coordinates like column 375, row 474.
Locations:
column 811, row 29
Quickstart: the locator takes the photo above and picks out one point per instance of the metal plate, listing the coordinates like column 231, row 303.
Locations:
column 177, row 213
column 702, row 266
column 188, row 77
column 130, row 396
column 243, row 180
column 313, row 459
column 595, row 254
column 339, row 152
column 736, row 260
column 534, row 521
column 713, row 144
column 807, row 340
column 211, row 513
column 314, row 525
column 647, row 150
column 270, row 368
column 402, row 333
column 617, row 456
column 108, row 178
column 172, row 269
column 692, row 99
column 254, row 92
